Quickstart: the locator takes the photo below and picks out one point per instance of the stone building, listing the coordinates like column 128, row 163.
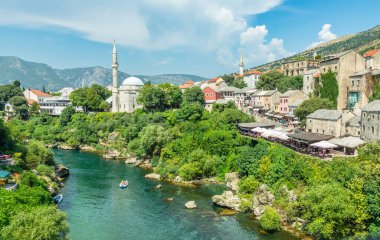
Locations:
column 124, row 98
column 353, row 127
column 263, row 101
column 370, row 121
column 344, row 65
column 299, row 67
column 372, row 59
column 309, row 78
column 328, row 122
column 359, row 89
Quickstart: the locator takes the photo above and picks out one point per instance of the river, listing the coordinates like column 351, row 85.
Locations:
column 98, row 209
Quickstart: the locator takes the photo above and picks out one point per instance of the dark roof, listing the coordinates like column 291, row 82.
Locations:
column 354, row 122
column 372, row 106
column 310, row 137
column 256, row 124
column 326, row 114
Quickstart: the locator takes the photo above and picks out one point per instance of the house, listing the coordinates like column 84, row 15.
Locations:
column 372, row 59
column 309, row 78
column 54, row 105
column 263, row 101
column 241, row 97
column 344, row 65
column 359, row 89
column 228, row 92
column 211, row 94
column 35, row 95
column 251, row 78
column 186, row 85
column 328, row 122
column 370, row 121
column 217, row 83
column 299, row 67
column 295, row 104
column 289, row 97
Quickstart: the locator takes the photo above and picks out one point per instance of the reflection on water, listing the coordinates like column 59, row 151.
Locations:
column 98, row 209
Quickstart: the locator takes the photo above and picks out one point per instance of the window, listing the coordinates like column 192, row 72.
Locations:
column 352, row 83
column 364, row 114
column 309, row 130
column 317, row 130
column 357, row 82
column 332, row 133
column 323, row 131
column 373, row 116
column 336, row 68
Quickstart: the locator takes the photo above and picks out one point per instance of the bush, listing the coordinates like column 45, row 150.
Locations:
column 37, row 153
column 190, row 171
column 271, row 220
column 45, row 170
column 248, row 185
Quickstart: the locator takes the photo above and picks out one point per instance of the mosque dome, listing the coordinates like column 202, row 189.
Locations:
column 132, row 81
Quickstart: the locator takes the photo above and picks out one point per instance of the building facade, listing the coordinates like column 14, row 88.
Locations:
column 35, row 95
column 359, row 90
column 211, row 94
column 298, row 68
column 344, row 65
column 251, row 78
column 370, row 121
column 328, row 122
column 309, row 79
column 289, row 97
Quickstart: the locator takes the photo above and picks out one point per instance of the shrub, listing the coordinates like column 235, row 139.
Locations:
column 271, row 220
column 248, row 185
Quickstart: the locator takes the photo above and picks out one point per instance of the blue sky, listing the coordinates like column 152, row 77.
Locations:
column 175, row 36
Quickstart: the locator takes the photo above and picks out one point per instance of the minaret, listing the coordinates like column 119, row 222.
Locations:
column 115, row 91
column 241, row 64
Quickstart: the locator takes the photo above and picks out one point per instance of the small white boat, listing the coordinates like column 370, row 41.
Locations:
column 123, row 184
column 58, row 198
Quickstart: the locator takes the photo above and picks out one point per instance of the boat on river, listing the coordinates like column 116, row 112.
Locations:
column 123, row 184
column 58, row 198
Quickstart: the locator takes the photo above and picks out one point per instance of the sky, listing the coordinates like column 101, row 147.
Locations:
column 200, row 37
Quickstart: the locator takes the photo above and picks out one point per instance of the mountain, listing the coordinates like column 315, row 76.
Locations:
column 361, row 42
column 36, row 75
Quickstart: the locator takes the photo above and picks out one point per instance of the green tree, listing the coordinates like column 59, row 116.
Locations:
column 311, row 105
column 173, row 95
column 248, row 185
column 34, row 109
column 239, row 83
column 193, row 95
column 7, row 92
column 90, row 98
column 20, row 106
column 269, row 80
column 37, row 154
column 42, row 223
column 270, row 220
column 228, row 79
column 66, row 115
column 329, row 88
column 152, row 98
column 17, row 83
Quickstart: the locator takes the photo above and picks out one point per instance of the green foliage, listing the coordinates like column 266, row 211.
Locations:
column 239, row 83
column 329, row 88
column 45, row 170
column 152, row 98
column 20, row 106
column 7, row 92
column 91, row 98
column 193, row 95
column 228, row 79
column 42, row 223
column 66, row 115
column 37, row 154
column 34, row 108
column 276, row 80
column 311, row 105
column 270, row 220
column 248, row 185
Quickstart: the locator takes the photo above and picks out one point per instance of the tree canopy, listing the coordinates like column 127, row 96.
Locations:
column 91, row 98
column 311, row 105
column 193, row 95
column 276, row 80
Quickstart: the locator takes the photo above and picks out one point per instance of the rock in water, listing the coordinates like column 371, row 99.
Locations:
column 190, row 205
column 228, row 200
column 62, row 171
column 153, row 176
column 131, row 160
column 158, row 186
column 111, row 154
column 232, row 180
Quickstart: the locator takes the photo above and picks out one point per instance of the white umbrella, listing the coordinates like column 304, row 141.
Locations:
column 323, row 144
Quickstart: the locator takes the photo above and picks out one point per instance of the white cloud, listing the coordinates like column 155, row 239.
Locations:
column 256, row 48
column 213, row 27
column 324, row 35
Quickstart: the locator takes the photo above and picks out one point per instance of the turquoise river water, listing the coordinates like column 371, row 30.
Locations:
column 98, row 209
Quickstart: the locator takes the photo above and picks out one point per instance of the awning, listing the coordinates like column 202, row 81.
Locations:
column 323, row 144
column 349, row 142
column 278, row 116
column 4, row 174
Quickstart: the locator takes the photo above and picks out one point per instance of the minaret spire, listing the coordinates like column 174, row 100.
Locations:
column 115, row 91
column 241, row 64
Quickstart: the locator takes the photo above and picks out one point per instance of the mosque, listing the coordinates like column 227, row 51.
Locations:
column 124, row 98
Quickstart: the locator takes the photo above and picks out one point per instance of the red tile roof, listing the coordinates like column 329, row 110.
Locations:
column 186, row 85
column 370, row 53
column 40, row 93
column 253, row 72
column 213, row 80
column 316, row 75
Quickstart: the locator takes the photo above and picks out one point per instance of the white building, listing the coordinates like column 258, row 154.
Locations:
column 65, row 92
column 124, row 98
column 251, row 78
column 54, row 105
column 309, row 81
column 35, row 95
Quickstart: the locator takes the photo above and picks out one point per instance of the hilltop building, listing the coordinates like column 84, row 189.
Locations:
column 344, row 65
column 124, row 98
column 299, row 67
